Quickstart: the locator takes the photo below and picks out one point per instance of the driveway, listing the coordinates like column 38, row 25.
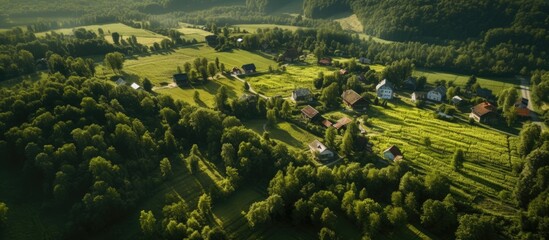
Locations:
column 525, row 93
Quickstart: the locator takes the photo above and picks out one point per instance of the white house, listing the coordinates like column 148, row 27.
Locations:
column 438, row 94
column 320, row 151
column 384, row 89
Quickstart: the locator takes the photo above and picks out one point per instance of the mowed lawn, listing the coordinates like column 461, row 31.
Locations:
column 494, row 84
column 160, row 67
column 489, row 154
column 143, row 36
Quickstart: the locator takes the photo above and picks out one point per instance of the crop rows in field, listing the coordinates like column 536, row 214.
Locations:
column 488, row 154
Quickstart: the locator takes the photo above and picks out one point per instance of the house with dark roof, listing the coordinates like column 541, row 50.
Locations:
column 410, row 83
column 393, row 153
column 302, row 95
column 354, row 100
column 342, row 123
column 438, row 94
column 483, row 112
column 181, row 79
column 249, row 68
column 309, row 113
column 384, row 89
column 320, row 151
column 484, row 93
column 290, row 55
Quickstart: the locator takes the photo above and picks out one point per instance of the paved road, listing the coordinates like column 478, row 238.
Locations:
column 525, row 92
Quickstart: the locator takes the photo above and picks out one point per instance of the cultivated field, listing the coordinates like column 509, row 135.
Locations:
column 145, row 37
column 489, row 154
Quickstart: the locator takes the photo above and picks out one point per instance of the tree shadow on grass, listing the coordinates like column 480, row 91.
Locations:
column 201, row 103
column 284, row 136
column 482, row 181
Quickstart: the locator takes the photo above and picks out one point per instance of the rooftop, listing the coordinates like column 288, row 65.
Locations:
column 309, row 111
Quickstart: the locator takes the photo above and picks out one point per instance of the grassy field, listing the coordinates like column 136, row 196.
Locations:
column 159, row 68
column 290, row 134
column 283, row 83
column 489, row 154
column 145, row 37
column 494, row 84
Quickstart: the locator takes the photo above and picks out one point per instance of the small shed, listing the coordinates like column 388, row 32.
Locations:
column 120, row 81
column 392, row 153
column 181, row 79
column 309, row 113
column 135, row 86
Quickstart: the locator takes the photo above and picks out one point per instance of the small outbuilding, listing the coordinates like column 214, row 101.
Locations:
column 392, row 153
column 181, row 79
column 120, row 81
column 309, row 113
column 135, row 86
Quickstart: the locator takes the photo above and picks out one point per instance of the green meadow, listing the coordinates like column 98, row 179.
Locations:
column 143, row 36
column 494, row 84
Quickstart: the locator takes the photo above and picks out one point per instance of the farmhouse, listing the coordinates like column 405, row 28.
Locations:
column 354, row 100
column 417, row 96
column 181, row 79
column 483, row 112
column 135, row 86
column 325, row 61
column 343, row 71
column 249, row 68
column 384, row 89
column 438, row 94
column 120, row 81
column 320, row 151
column 309, row 113
column 302, row 95
column 392, row 153
column 342, row 123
